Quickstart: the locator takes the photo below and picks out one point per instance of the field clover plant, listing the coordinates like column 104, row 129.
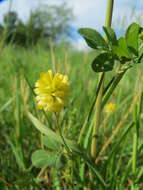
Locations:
column 80, row 163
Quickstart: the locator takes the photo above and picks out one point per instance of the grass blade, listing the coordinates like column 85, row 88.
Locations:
column 7, row 104
column 116, row 146
column 16, row 154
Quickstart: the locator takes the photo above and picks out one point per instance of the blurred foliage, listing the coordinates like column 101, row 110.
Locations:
column 45, row 23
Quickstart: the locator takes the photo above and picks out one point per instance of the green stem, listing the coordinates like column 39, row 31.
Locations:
column 128, row 167
column 60, row 132
column 109, row 13
column 135, row 144
column 82, row 131
column 97, row 120
column 109, row 92
column 137, row 112
column 41, row 173
column 18, row 116
column 98, row 107
column 85, row 124
column 18, row 129
column 135, row 137
column 56, row 180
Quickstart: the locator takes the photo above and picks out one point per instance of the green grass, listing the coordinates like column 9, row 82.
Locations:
column 19, row 139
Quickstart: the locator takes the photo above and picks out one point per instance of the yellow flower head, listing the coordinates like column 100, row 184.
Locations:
column 52, row 91
column 110, row 107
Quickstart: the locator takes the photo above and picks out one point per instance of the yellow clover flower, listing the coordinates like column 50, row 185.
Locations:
column 52, row 91
column 110, row 107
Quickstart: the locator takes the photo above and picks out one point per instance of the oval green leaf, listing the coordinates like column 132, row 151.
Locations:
column 50, row 143
column 132, row 38
column 42, row 158
column 121, row 49
column 103, row 63
column 93, row 38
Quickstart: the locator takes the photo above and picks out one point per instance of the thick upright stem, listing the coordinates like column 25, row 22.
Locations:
column 97, row 119
column 100, row 95
column 109, row 13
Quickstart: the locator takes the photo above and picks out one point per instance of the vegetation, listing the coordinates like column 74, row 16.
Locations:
column 45, row 23
column 93, row 143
